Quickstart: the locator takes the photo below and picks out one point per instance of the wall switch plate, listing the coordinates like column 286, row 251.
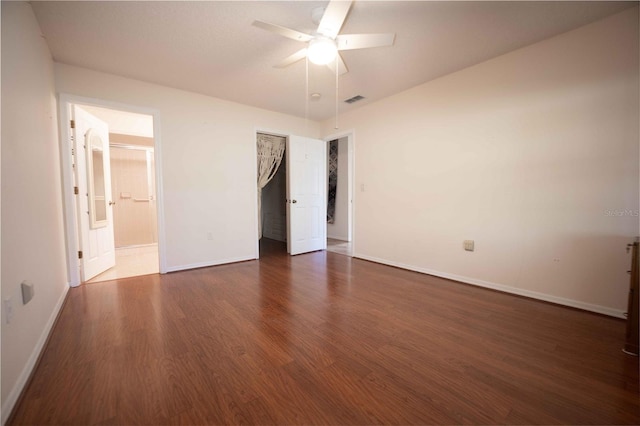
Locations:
column 27, row 292
column 469, row 245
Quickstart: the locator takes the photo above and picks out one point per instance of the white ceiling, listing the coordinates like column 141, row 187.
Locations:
column 212, row 48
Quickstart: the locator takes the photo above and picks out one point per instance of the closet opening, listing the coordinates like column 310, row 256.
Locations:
column 272, row 193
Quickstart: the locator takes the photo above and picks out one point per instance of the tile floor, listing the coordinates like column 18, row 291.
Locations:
column 131, row 262
column 340, row 247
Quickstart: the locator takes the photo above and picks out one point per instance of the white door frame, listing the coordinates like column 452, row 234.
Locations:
column 69, row 203
column 351, row 173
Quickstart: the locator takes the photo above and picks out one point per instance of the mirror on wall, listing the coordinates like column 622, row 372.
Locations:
column 95, row 178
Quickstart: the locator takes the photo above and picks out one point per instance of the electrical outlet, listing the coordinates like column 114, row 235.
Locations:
column 8, row 310
column 469, row 245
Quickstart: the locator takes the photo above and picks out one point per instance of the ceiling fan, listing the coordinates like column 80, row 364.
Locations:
column 323, row 45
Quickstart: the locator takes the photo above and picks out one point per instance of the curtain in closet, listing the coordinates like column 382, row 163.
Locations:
column 270, row 152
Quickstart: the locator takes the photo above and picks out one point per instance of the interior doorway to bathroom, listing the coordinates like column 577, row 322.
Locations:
column 125, row 242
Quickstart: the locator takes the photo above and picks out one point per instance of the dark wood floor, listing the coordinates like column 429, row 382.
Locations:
column 325, row 339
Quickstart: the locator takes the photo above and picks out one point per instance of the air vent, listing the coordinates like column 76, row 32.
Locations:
column 354, row 99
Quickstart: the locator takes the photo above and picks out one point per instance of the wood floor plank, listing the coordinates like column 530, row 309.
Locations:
column 323, row 338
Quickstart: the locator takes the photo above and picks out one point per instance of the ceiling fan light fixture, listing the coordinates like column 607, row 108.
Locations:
column 322, row 50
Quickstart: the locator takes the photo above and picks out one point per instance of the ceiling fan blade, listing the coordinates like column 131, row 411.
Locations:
column 283, row 31
column 342, row 67
column 300, row 54
column 334, row 17
column 363, row 41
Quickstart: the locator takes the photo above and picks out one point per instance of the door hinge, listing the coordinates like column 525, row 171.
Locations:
column 73, row 124
column 80, row 254
column 76, row 191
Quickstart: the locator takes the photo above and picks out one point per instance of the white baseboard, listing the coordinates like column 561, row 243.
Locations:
column 13, row 396
column 501, row 287
column 207, row 264
column 338, row 237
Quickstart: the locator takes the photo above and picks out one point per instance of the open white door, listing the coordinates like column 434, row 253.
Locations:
column 306, row 195
column 93, row 179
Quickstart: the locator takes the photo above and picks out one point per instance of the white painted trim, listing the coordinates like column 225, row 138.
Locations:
column 14, row 394
column 71, row 229
column 69, row 204
column 501, row 287
column 274, row 132
column 351, row 147
column 207, row 264
column 157, row 156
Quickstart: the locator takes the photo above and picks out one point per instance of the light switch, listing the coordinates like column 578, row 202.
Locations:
column 27, row 292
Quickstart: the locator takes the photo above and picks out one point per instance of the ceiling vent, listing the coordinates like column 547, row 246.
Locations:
column 354, row 99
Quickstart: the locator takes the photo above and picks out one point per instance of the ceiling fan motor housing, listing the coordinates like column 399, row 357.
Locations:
column 322, row 50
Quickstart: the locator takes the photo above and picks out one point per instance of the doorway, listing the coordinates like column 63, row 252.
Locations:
column 131, row 194
column 340, row 195
column 273, row 212
column 305, row 165
column 135, row 223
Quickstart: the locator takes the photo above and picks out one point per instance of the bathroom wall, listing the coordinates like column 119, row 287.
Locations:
column 132, row 175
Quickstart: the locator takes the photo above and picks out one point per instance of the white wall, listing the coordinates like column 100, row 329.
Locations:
column 32, row 223
column 208, row 163
column 339, row 229
column 531, row 154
